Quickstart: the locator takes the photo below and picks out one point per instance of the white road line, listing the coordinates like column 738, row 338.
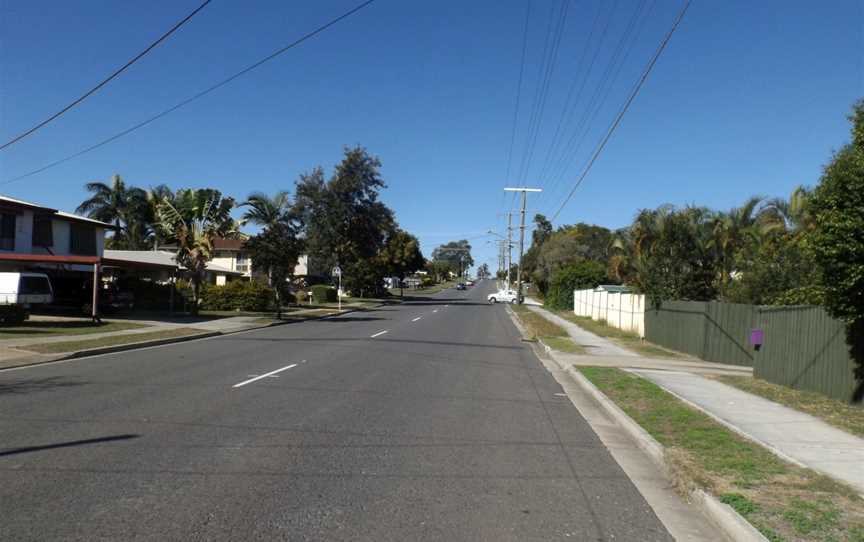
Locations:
column 265, row 375
column 419, row 317
column 435, row 310
column 379, row 333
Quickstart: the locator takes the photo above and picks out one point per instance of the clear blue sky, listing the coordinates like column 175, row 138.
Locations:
column 749, row 98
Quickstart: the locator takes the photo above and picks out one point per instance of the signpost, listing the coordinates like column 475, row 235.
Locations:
column 337, row 272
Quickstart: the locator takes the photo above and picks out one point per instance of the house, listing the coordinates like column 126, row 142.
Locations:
column 67, row 247
column 161, row 265
column 32, row 234
column 231, row 254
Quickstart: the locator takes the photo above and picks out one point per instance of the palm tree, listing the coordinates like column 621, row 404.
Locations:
column 791, row 216
column 193, row 220
column 156, row 195
column 264, row 210
column 117, row 204
column 732, row 230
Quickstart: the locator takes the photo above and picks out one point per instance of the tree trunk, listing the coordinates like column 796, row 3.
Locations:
column 196, row 288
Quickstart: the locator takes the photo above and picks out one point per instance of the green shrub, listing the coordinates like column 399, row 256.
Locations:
column 238, row 295
column 323, row 293
column 585, row 274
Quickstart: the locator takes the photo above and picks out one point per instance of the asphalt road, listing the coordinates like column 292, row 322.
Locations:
column 446, row 427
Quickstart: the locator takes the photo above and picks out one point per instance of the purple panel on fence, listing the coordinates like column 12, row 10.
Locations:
column 756, row 337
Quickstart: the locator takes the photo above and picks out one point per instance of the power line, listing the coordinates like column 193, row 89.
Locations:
column 518, row 99
column 626, row 106
column 600, row 95
column 105, row 81
column 191, row 99
column 559, row 31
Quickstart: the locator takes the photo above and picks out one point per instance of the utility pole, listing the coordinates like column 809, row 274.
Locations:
column 509, row 261
column 524, row 192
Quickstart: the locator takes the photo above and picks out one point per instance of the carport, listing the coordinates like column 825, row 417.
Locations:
column 38, row 262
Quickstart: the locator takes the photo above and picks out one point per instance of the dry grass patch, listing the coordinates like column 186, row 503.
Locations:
column 552, row 334
column 783, row 501
column 837, row 413
column 36, row 329
column 111, row 340
column 625, row 339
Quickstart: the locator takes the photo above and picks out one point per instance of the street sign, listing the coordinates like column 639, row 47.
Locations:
column 337, row 271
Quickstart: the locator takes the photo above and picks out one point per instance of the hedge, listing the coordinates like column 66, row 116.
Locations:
column 322, row 293
column 238, row 295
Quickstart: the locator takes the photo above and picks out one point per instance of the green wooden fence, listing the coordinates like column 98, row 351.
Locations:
column 803, row 347
column 708, row 330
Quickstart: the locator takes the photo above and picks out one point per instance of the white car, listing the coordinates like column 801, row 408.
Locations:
column 502, row 296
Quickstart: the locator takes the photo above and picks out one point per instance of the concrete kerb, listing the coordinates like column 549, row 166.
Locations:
column 724, row 516
column 730, row 522
column 170, row 340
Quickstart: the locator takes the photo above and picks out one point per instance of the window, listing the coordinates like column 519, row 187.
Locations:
column 242, row 263
column 34, row 286
column 43, row 235
column 7, row 231
column 83, row 240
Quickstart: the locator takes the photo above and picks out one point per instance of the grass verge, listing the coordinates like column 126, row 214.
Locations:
column 37, row 329
column 113, row 340
column 625, row 339
column 783, row 501
column 553, row 335
column 293, row 317
column 837, row 413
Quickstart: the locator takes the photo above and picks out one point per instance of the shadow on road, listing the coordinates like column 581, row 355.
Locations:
column 67, row 444
column 37, row 384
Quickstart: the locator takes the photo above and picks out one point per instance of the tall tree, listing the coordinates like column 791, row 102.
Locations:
column 456, row 255
column 193, row 220
column 346, row 224
column 837, row 239
column 401, row 255
column 275, row 251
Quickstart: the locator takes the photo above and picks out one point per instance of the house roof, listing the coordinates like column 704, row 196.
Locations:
column 221, row 243
column 57, row 214
column 156, row 258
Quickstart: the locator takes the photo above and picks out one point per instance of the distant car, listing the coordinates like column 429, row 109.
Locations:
column 460, row 286
column 502, row 296
column 470, row 283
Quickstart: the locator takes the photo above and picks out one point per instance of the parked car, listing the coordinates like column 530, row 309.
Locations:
column 19, row 292
column 502, row 296
column 470, row 283
column 460, row 286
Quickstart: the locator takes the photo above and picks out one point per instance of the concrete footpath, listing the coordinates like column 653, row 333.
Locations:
column 593, row 344
column 795, row 436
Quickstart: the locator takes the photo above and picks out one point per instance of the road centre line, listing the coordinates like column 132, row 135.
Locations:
column 415, row 319
column 259, row 377
column 434, row 310
column 379, row 333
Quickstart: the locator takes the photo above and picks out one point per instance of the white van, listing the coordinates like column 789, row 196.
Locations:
column 25, row 289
